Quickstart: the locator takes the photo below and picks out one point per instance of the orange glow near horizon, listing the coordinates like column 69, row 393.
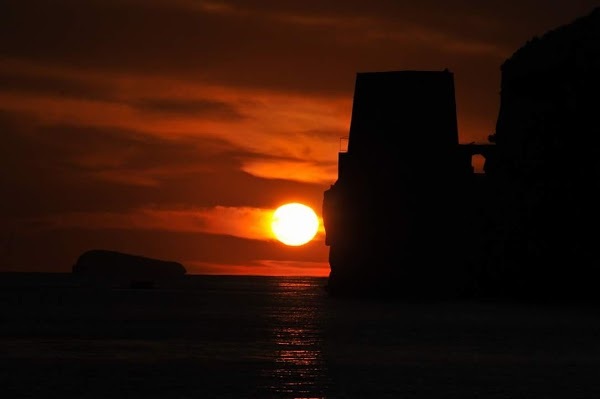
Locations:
column 263, row 268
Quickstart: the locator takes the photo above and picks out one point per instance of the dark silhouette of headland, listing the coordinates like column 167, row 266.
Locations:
column 408, row 216
column 117, row 269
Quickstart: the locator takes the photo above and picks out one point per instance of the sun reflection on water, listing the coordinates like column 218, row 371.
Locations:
column 299, row 368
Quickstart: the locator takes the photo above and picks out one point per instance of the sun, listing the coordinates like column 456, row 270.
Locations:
column 294, row 224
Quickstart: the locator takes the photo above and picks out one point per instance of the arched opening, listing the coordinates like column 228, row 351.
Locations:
column 477, row 162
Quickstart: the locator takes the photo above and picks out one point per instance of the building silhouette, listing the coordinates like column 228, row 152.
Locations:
column 397, row 214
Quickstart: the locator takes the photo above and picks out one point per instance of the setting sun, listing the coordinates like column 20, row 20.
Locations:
column 294, row 224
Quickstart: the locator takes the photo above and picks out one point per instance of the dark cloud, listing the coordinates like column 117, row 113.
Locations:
column 287, row 46
column 54, row 86
column 170, row 37
column 209, row 109
column 261, row 45
column 52, row 169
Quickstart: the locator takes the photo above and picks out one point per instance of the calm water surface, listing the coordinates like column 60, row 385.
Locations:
column 271, row 337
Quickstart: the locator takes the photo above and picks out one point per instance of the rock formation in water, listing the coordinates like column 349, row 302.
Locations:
column 408, row 217
column 547, row 170
column 126, row 270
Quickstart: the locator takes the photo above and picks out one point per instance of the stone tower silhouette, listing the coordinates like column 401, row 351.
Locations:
column 391, row 217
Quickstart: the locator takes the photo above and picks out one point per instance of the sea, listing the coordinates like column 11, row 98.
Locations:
column 284, row 337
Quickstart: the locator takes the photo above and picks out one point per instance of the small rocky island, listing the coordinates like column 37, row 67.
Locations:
column 117, row 269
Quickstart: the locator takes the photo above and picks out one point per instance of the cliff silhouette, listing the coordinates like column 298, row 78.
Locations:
column 408, row 216
column 546, row 172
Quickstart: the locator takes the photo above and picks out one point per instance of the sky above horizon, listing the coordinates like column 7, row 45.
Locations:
column 174, row 128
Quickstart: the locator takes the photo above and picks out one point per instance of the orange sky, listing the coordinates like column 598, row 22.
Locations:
column 174, row 128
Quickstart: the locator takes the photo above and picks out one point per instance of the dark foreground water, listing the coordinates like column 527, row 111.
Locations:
column 270, row 337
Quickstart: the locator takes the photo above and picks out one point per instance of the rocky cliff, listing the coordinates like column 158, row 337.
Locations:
column 547, row 170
